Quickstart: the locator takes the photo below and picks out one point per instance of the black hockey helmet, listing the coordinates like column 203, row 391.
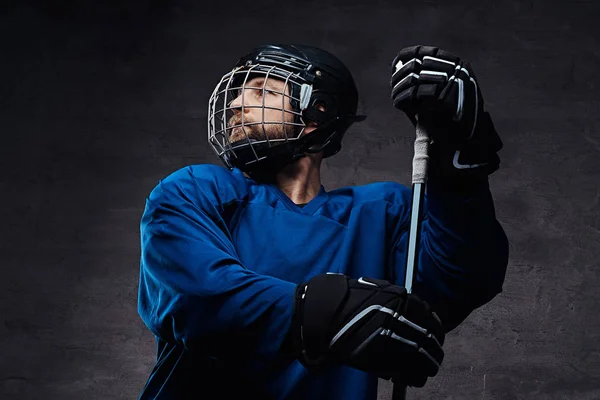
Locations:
column 313, row 78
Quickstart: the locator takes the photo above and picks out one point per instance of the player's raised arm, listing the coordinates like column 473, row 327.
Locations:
column 464, row 250
column 193, row 288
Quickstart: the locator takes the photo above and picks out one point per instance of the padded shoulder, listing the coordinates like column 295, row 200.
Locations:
column 204, row 184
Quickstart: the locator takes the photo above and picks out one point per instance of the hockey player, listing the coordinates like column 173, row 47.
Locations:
column 259, row 283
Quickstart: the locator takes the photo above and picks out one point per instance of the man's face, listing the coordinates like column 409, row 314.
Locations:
column 266, row 111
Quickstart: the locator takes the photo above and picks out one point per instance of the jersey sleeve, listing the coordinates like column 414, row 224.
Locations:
column 193, row 288
column 463, row 252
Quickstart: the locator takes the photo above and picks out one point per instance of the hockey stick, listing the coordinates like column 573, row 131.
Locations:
column 419, row 180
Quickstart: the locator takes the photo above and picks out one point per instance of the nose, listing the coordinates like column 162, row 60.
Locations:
column 236, row 104
column 241, row 102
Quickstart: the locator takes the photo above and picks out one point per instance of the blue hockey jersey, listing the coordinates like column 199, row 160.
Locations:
column 221, row 256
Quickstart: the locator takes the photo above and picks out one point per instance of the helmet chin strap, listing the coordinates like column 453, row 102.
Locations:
column 317, row 148
column 317, row 140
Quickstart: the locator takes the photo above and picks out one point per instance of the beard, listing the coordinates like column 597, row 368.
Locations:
column 257, row 131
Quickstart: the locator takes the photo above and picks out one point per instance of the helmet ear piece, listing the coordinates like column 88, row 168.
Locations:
column 322, row 109
column 325, row 105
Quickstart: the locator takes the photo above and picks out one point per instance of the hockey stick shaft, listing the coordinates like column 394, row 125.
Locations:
column 419, row 181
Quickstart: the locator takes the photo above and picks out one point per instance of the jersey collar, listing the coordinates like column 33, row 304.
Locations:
column 310, row 208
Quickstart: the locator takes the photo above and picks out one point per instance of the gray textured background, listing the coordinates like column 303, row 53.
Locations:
column 98, row 103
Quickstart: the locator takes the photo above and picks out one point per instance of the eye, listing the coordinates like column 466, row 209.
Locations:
column 266, row 91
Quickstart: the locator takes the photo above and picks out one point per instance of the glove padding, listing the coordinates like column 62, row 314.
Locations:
column 367, row 324
column 439, row 90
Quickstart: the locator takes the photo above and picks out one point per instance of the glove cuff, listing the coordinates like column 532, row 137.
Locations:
column 308, row 356
column 467, row 165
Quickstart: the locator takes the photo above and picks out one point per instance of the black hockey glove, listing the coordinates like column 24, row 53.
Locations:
column 367, row 324
column 439, row 90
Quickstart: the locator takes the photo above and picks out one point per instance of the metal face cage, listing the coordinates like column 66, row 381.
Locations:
column 231, row 133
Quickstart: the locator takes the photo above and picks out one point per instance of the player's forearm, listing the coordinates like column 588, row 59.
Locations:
column 227, row 313
column 465, row 229
column 466, row 248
